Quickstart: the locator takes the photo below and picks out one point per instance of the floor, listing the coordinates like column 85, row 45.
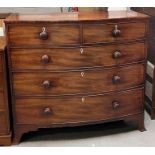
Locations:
column 106, row 135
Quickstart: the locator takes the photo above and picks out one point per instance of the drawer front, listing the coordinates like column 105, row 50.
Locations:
column 68, row 58
column 83, row 81
column 44, row 35
column 78, row 109
column 96, row 33
column 4, row 129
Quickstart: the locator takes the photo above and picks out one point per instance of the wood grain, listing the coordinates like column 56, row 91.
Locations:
column 89, row 16
column 93, row 81
column 57, row 34
column 64, row 110
column 74, row 58
column 98, row 33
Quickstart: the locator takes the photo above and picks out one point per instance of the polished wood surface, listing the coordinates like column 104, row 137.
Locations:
column 57, row 34
column 77, row 17
column 68, row 69
column 97, row 33
column 76, row 82
column 72, row 58
column 78, row 109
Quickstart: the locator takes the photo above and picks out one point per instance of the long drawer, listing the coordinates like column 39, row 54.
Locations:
column 78, row 81
column 69, row 58
column 78, row 109
column 98, row 33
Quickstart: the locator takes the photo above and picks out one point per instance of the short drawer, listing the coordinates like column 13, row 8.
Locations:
column 4, row 128
column 44, row 35
column 78, row 109
column 70, row 58
column 98, row 33
column 78, row 81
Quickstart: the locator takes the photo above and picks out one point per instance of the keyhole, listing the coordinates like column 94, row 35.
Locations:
column 83, row 99
column 82, row 74
column 81, row 50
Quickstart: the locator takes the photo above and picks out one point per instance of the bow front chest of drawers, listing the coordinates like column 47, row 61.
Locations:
column 76, row 69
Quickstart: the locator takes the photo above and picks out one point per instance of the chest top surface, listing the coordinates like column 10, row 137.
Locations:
column 77, row 17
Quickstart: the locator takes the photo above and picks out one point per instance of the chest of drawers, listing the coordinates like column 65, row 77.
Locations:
column 76, row 69
column 5, row 131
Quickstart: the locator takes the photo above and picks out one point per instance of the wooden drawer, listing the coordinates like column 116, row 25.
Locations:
column 78, row 109
column 57, row 34
column 97, row 33
column 69, row 58
column 3, row 123
column 83, row 81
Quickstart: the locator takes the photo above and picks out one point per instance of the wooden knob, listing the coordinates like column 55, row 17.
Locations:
column 117, row 54
column 116, row 32
column 46, row 84
column 115, row 104
column 45, row 59
column 116, row 79
column 47, row 111
column 44, row 34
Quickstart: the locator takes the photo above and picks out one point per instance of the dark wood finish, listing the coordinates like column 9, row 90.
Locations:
column 75, row 82
column 150, row 102
column 72, row 58
column 99, row 33
column 5, row 131
column 77, row 109
column 104, row 16
column 76, row 69
column 56, row 35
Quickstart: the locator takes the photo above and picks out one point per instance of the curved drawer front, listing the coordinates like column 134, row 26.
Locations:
column 51, row 35
column 69, row 58
column 98, row 33
column 84, row 81
column 78, row 109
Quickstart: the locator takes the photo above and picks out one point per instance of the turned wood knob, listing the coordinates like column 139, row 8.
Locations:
column 45, row 59
column 117, row 54
column 47, row 111
column 44, row 34
column 46, row 84
column 116, row 32
column 116, row 79
column 115, row 104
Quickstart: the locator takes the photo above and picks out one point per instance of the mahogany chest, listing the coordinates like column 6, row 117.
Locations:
column 76, row 69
